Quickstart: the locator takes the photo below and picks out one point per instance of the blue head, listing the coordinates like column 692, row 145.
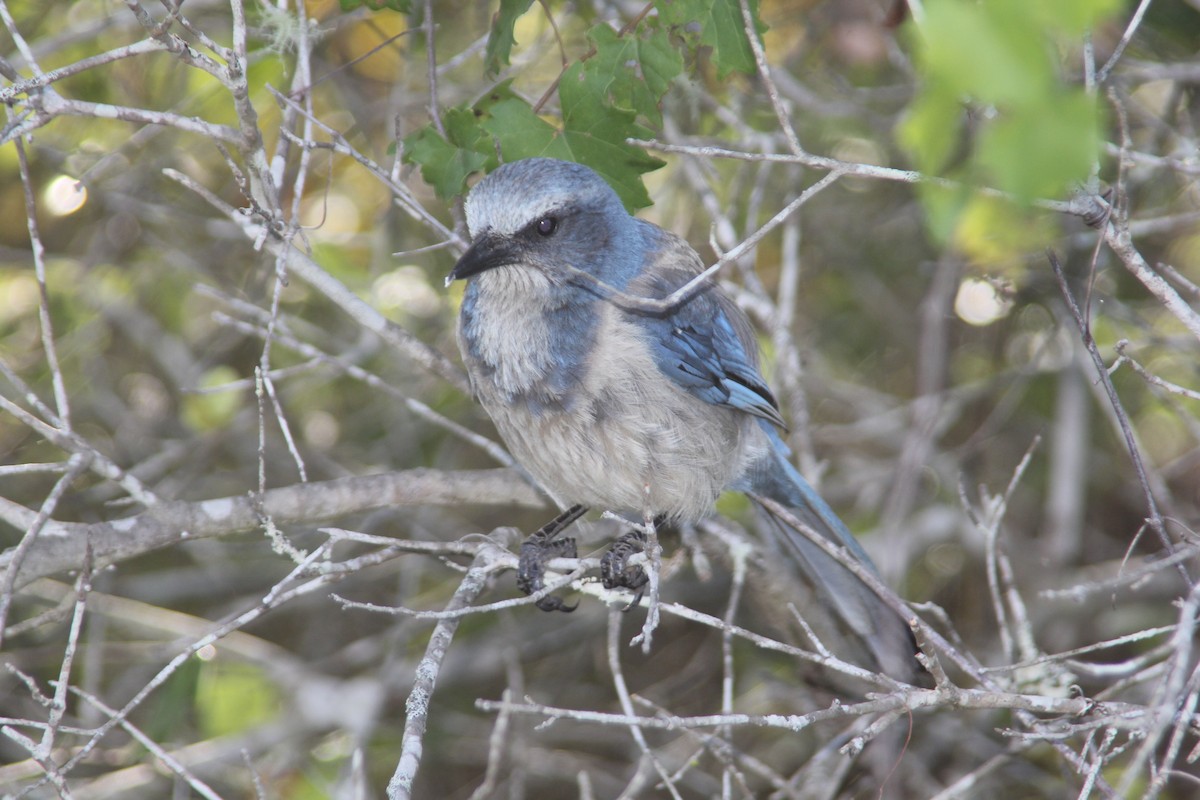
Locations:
column 531, row 218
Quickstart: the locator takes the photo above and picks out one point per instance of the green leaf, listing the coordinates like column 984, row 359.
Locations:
column 447, row 163
column 1035, row 136
column 1044, row 150
column 520, row 132
column 717, row 24
column 596, row 134
column 943, row 208
column 602, row 99
column 233, row 697
column 640, row 67
column 994, row 231
column 501, row 39
column 987, row 51
column 214, row 409
column 932, row 130
column 592, row 133
column 403, row 6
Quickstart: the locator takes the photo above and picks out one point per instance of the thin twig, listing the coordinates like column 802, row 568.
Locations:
column 75, row 466
column 1154, row 518
column 61, row 400
column 613, row 649
column 160, row 753
column 417, row 705
column 1134, row 22
column 1083, row 207
column 684, row 293
column 764, row 74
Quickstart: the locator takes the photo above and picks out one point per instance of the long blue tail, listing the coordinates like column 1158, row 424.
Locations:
column 860, row 612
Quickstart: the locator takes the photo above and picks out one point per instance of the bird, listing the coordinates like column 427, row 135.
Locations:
column 646, row 409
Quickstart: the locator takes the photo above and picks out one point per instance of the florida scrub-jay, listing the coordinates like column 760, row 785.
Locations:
column 633, row 411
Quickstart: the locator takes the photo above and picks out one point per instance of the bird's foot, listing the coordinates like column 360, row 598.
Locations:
column 617, row 573
column 541, row 548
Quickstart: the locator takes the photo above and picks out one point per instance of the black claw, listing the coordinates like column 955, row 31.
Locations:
column 536, row 552
column 541, row 548
column 636, row 601
column 1100, row 212
column 552, row 603
column 615, row 573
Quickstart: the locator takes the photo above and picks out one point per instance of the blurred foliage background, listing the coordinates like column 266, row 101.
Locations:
column 914, row 330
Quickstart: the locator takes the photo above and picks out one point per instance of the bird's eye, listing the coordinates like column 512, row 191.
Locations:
column 547, row 226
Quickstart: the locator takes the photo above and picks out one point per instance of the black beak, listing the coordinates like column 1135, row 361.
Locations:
column 488, row 251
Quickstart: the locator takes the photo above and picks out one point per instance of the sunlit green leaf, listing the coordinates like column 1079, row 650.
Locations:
column 446, row 164
column 501, row 39
column 1042, row 151
column 985, row 51
column 211, row 410
column 403, row 6
column 995, row 231
column 592, row 133
column 596, row 134
column 717, row 24
column 640, row 67
column 520, row 132
column 932, row 130
column 1033, row 133
column 943, row 208
column 232, row 697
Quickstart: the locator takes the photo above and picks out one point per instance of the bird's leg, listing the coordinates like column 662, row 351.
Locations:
column 615, row 570
column 539, row 549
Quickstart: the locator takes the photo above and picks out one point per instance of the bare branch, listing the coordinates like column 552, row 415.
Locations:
column 169, row 523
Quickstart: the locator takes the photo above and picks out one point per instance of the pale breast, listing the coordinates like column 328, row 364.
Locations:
column 629, row 440
column 502, row 333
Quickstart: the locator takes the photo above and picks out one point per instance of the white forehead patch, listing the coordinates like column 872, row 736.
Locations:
column 520, row 192
column 498, row 207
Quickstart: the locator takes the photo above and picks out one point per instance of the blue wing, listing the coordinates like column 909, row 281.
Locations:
column 705, row 345
column 705, row 357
